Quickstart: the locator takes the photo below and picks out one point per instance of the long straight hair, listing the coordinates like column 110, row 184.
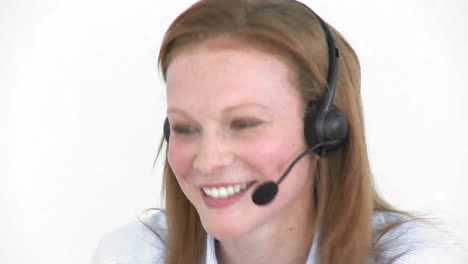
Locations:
column 345, row 196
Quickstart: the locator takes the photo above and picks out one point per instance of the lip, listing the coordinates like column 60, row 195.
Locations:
column 222, row 202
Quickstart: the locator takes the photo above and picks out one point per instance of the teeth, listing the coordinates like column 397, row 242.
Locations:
column 225, row 191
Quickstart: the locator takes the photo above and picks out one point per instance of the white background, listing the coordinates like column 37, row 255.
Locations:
column 82, row 106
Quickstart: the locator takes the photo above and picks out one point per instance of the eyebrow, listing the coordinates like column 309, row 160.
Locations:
column 226, row 110
column 244, row 105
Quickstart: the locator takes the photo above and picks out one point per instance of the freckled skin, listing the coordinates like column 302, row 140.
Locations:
column 209, row 86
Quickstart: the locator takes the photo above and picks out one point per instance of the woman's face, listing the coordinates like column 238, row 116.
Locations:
column 236, row 121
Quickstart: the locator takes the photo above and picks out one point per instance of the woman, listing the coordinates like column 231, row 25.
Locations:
column 255, row 87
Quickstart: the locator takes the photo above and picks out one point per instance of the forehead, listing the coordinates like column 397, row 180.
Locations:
column 223, row 72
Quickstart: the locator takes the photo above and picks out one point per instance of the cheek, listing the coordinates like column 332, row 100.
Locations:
column 180, row 158
column 271, row 157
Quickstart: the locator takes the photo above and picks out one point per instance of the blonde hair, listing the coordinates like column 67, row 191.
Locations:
column 347, row 199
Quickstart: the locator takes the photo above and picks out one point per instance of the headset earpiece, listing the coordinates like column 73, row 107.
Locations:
column 322, row 127
column 167, row 130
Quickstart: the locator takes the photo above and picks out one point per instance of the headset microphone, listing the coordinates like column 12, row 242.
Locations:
column 266, row 192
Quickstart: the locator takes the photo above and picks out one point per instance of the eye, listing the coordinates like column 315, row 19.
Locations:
column 184, row 129
column 244, row 123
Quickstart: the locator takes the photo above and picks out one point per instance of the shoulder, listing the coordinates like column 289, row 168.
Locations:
column 400, row 239
column 142, row 241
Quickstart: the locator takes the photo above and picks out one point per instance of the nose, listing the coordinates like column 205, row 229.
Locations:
column 213, row 154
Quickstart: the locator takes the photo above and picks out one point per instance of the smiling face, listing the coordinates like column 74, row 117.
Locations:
column 236, row 121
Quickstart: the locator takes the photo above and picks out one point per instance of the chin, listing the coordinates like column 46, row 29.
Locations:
column 224, row 229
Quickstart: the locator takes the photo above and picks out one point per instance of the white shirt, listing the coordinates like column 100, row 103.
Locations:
column 136, row 243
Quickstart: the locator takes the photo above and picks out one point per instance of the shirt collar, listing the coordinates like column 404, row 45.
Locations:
column 210, row 254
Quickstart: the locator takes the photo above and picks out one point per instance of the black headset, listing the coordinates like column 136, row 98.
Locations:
column 324, row 124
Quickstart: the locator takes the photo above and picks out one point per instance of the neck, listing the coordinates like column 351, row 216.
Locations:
column 285, row 240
